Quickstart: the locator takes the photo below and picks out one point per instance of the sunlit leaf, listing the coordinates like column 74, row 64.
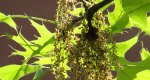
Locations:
column 38, row 75
column 143, row 75
column 64, row 62
column 29, row 47
column 123, row 47
column 77, row 11
column 44, row 61
column 14, row 72
column 42, row 30
column 8, row 20
column 137, row 11
column 118, row 19
column 97, row 1
column 131, row 70
column 78, row 29
column 147, row 29
column 42, row 46
column 134, row 70
column 145, row 54
column 46, row 40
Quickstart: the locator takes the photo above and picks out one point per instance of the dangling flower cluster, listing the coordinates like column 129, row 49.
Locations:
column 88, row 59
column 63, row 38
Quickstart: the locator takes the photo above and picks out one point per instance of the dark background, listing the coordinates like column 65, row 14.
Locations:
column 45, row 9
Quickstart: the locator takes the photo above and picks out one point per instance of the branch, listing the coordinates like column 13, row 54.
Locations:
column 34, row 18
column 90, row 12
column 94, row 9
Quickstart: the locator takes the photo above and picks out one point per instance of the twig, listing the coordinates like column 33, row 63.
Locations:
column 94, row 9
column 34, row 18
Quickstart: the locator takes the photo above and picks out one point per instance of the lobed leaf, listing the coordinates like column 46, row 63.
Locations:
column 135, row 70
column 44, row 61
column 145, row 54
column 123, row 47
column 132, row 70
column 118, row 19
column 7, row 20
column 29, row 47
column 146, row 29
column 15, row 72
column 38, row 75
column 137, row 12
column 40, row 47
column 46, row 40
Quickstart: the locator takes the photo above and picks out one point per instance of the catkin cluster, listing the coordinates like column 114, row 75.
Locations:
column 88, row 59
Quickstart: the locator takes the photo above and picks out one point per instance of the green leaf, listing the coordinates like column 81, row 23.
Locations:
column 42, row 30
column 146, row 29
column 78, row 29
column 137, row 11
column 145, row 54
column 44, row 60
column 132, row 70
column 77, row 11
column 143, row 75
column 8, row 20
column 123, row 47
column 40, row 47
column 118, row 19
column 14, row 72
column 46, row 40
column 97, row 1
column 135, row 71
column 29, row 47
column 32, row 49
column 64, row 63
column 38, row 75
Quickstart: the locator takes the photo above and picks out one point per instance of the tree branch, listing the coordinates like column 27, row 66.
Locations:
column 94, row 9
column 90, row 12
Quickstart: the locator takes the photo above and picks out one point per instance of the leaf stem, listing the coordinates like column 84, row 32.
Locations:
column 34, row 18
